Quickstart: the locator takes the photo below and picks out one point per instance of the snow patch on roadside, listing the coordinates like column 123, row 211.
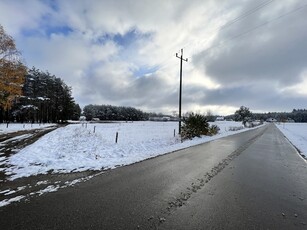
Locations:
column 8, row 201
column 50, row 188
column 297, row 135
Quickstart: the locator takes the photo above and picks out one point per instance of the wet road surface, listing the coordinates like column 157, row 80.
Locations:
column 253, row 180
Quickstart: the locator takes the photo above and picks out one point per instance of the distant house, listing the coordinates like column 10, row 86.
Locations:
column 271, row 120
column 82, row 118
column 164, row 118
column 290, row 120
column 220, row 119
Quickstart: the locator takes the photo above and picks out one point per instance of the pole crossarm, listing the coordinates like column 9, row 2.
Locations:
column 180, row 57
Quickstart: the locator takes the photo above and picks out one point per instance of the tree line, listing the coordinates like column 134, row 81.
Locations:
column 297, row 115
column 31, row 95
column 115, row 113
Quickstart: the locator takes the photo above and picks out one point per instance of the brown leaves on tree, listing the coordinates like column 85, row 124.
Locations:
column 12, row 71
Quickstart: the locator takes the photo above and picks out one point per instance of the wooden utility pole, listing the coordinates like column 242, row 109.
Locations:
column 180, row 87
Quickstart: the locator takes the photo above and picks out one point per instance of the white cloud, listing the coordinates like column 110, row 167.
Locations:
column 18, row 15
column 85, row 55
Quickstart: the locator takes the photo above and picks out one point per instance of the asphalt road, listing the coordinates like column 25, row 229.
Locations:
column 253, row 180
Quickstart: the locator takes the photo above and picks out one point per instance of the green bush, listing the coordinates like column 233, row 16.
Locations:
column 213, row 130
column 194, row 125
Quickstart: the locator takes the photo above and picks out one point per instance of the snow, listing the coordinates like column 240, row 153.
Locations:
column 14, row 127
column 8, row 201
column 5, row 191
column 10, row 192
column 296, row 134
column 50, row 188
column 42, row 182
column 76, row 147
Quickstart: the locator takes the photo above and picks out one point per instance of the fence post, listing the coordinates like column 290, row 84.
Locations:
column 116, row 137
column 174, row 132
column 94, row 128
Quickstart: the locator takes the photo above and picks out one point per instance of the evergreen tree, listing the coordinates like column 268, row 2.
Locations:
column 46, row 98
column 243, row 114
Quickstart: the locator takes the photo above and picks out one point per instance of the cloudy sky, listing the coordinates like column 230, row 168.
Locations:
column 123, row 52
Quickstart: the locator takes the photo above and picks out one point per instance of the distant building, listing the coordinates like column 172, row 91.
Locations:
column 164, row 118
column 82, row 118
column 271, row 120
column 290, row 120
column 220, row 119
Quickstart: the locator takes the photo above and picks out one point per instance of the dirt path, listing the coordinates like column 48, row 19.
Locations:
column 10, row 144
column 20, row 139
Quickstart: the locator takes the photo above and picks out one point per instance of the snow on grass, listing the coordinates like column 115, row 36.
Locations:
column 76, row 148
column 14, row 127
column 296, row 134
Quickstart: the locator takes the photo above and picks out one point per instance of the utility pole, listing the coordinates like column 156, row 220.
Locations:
column 180, row 87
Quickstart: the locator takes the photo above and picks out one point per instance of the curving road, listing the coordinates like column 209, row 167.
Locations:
column 252, row 180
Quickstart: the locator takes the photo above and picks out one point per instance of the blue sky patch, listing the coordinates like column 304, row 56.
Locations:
column 65, row 30
column 52, row 4
column 143, row 70
column 47, row 31
column 128, row 39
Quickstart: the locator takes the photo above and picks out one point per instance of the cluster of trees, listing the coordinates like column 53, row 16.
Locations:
column 298, row 115
column 31, row 95
column 244, row 114
column 45, row 98
column 109, row 112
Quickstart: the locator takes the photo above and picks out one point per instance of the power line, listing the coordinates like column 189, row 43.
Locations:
column 257, row 27
column 244, row 33
column 244, row 15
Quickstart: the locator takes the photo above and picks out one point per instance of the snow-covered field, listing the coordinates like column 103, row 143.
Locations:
column 296, row 134
column 13, row 127
column 77, row 148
